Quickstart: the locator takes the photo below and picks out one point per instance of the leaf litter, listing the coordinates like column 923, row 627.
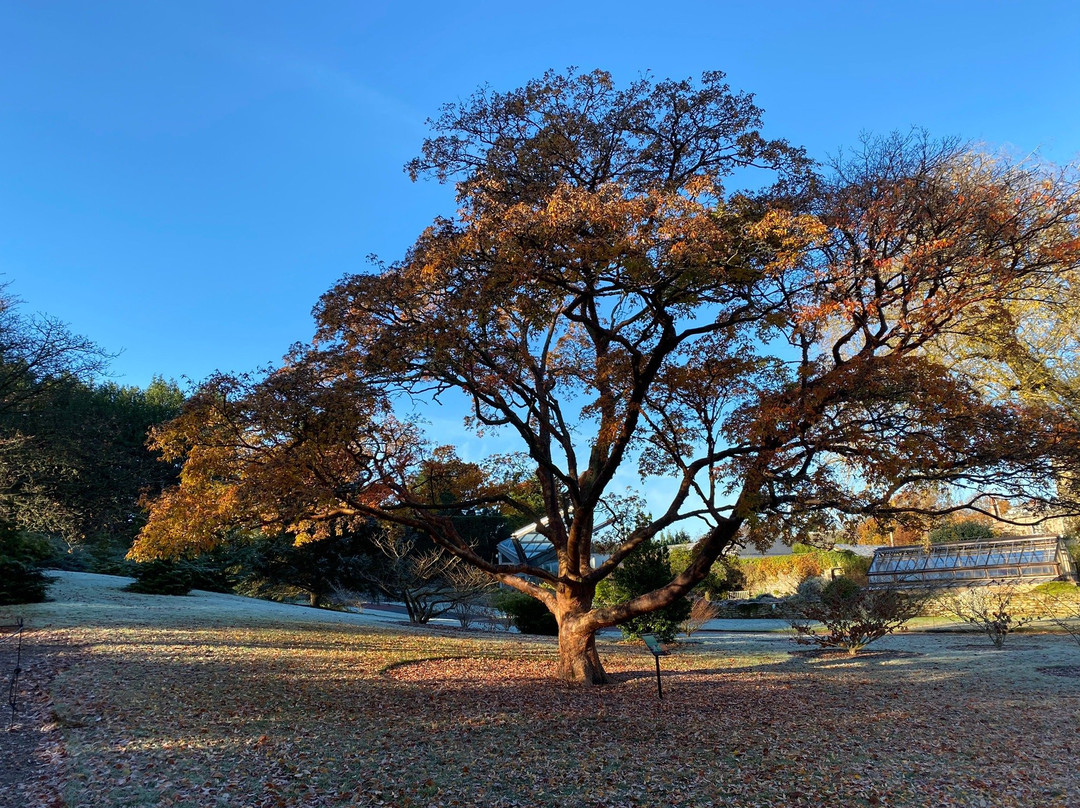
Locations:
column 196, row 712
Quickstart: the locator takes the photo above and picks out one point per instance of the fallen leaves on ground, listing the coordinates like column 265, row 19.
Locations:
column 259, row 716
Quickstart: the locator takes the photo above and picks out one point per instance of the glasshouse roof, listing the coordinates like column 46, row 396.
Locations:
column 533, row 547
column 1015, row 558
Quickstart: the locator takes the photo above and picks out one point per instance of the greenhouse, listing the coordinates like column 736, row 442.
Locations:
column 1021, row 559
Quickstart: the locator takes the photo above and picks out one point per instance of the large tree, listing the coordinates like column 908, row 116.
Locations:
column 73, row 455
column 602, row 297
column 41, row 362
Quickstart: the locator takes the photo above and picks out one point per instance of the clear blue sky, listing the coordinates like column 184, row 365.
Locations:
column 180, row 181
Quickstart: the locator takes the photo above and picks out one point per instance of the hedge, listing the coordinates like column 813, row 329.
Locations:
column 787, row 571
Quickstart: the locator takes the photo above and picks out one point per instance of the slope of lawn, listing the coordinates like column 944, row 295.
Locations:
column 215, row 700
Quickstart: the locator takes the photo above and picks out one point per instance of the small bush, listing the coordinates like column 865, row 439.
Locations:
column 528, row 615
column 701, row 612
column 992, row 609
column 851, row 616
column 162, row 578
column 21, row 583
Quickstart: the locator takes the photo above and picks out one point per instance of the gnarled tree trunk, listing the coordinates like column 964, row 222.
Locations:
column 579, row 661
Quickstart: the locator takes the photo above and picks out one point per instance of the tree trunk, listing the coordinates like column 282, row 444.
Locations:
column 313, row 599
column 578, row 660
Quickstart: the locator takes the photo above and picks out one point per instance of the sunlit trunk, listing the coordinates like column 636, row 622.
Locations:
column 578, row 660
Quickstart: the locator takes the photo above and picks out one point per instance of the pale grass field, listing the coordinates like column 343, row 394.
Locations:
column 215, row 700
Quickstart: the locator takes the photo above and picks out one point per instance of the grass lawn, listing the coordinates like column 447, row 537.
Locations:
column 210, row 700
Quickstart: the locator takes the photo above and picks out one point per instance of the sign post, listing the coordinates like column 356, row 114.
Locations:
column 658, row 651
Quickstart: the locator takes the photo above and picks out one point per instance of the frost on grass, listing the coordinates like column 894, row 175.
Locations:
column 305, row 714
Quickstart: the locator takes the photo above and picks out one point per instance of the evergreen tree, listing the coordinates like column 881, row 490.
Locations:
column 643, row 571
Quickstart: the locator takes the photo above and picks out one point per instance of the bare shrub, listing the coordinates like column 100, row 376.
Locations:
column 492, row 618
column 429, row 583
column 1059, row 602
column 470, row 590
column 701, row 612
column 345, row 597
column 850, row 617
column 994, row 609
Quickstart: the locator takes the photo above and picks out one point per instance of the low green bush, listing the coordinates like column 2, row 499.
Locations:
column 528, row 615
column 162, row 578
column 21, row 582
column 1058, row 589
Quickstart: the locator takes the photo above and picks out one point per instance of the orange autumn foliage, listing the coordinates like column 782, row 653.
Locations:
column 603, row 299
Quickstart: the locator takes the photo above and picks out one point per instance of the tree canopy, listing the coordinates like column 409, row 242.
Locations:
column 1026, row 345
column 605, row 299
column 73, row 454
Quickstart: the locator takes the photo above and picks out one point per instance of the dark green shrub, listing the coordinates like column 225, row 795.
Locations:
column 722, row 578
column 108, row 558
column 74, row 560
column 839, row 590
column 528, row 615
column 162, row 578
column 29, row 548
column 209, row 576
column 21, row 553
column 21, row 582
column 277, row 568
column 757, row 608
column 645, row 569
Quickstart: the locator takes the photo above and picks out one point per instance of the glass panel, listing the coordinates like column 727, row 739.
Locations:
column 969, row 562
